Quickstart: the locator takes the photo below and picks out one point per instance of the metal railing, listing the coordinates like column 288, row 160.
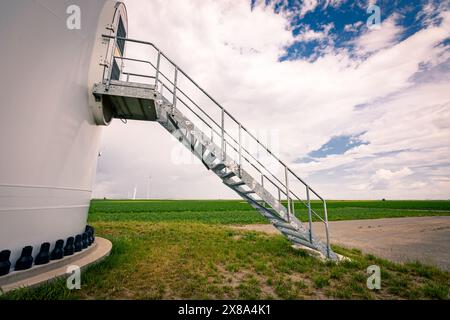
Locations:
column 217, row 127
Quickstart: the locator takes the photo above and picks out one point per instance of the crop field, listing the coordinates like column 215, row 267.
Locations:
column 240, row 212
column 168, row 249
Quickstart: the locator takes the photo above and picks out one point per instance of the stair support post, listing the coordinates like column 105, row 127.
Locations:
column 174, row 102
column 286, row 175
column 240, row 150
column 326, row 227
column 309, row 213
column 262, row 185
column 223, row 135
column 293, row 206
column 158, row 65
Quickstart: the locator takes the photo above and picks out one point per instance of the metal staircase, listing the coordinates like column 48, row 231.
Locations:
column 168, row 95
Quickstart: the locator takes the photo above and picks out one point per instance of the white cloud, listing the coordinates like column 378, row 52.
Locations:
column 334, row 3
column 384, row 174
column 308, row 6
column 233, row 53
column 385, row 179
column 353, row 27
column 379, row 38
column 308, row 34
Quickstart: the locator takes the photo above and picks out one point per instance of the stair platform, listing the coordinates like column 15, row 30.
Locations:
column 130, row 101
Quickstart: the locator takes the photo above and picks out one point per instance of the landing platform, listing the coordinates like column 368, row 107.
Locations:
column 37, row 275
column 128, row 100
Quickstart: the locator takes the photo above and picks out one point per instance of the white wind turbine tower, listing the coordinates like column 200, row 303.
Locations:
column 50, row 122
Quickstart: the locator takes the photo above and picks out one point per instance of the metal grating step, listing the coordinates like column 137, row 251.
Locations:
column 302, row 242
column 228, row 175
column 238, row 184
column 219, row 167
column 283, row 225
column 293, row 233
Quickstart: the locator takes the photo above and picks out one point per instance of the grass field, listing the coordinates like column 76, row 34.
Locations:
column 189, row 250
column 240, row 212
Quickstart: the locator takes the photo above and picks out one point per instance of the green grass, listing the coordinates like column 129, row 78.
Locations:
column 188, row 250
column 427, row 205
column 173, row 260
column 240, row 212
column 239, row 205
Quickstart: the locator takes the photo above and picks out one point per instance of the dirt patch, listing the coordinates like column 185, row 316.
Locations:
column 235, row 278
column 266, row 228
column 268, row 286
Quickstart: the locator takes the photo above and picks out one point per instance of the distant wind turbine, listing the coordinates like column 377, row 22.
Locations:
column 134, row 193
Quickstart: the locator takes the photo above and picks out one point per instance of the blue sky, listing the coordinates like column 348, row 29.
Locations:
column 341, row 16
column 344, row 20
column 359, row 113
column 336, row 145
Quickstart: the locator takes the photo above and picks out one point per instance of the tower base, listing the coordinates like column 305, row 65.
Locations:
column 56, row 269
